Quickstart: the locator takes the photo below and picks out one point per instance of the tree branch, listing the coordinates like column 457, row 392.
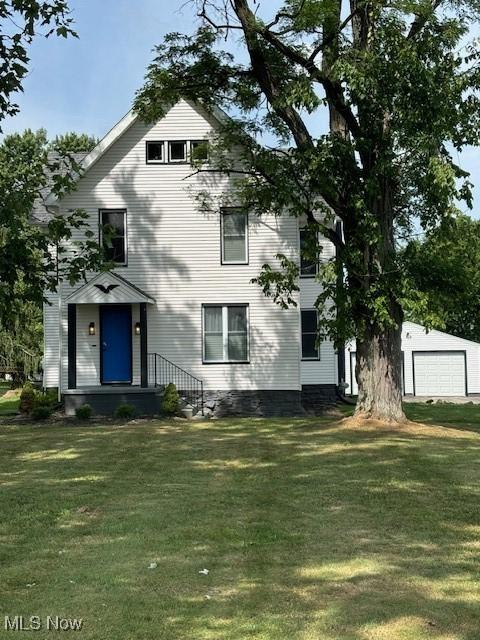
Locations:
column 265, row 78
column 421, row 20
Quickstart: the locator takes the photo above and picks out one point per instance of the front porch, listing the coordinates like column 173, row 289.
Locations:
column 107, row 336
column 108, row 363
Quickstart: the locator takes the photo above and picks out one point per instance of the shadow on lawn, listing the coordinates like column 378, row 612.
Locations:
column 308, row 530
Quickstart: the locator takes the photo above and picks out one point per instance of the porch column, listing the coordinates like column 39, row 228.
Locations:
column 72, row 346
column 143, row 345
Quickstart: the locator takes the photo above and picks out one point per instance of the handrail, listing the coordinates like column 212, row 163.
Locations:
column 162, row 371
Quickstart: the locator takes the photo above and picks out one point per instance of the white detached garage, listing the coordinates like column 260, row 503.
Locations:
column 435, row 364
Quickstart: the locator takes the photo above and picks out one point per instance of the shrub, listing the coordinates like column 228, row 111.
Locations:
column 125, row 411
column 84, row 412
column 27, row 399
column 170, row 399
column 52, row 394
column 41, row 412
column 42, row 400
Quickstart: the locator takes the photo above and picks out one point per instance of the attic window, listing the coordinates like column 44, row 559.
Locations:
column 154, row 152
column 198, row 150
column 177, row 151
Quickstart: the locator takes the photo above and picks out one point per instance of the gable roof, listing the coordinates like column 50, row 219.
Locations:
column 115, row 133
column 436, row 331
column 109, row 288
column 40, row 214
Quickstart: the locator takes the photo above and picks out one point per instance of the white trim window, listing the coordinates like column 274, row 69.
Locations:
column 225, row 333
column 310, row 350
column 114, row 242
column 234, row 236
column 199, row 151
column 154, row 152
column 177, row 151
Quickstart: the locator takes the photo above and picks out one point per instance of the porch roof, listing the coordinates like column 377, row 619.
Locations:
column 109, row 288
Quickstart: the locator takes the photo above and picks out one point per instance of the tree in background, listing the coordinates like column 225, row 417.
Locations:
column 33, row 257
column 445, row 267
column 396, row 84
column 21, row 342
column 21, row 21
column 28, row 267
column 72, row 142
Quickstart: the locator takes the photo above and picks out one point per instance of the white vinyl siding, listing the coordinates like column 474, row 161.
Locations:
column 324, row 369
column 225, row 333
column 51, row 353
column 173, row 255
column 234, row 236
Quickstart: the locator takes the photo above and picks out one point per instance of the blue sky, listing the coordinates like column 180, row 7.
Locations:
column 88, row 84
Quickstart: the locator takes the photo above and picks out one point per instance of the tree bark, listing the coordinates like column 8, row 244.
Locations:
column 379, row 374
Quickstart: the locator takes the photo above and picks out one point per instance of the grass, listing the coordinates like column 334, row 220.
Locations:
column 8, row 405
column 309, row 530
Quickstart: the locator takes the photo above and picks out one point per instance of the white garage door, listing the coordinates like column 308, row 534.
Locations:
column 439, row 373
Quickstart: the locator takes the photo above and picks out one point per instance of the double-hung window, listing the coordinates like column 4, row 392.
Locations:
column 225, row 333
column 310, row 350
column 234, row 236
column 113, row 233
column 308, row 265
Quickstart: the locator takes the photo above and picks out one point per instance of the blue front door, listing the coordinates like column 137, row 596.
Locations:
column 116, row 344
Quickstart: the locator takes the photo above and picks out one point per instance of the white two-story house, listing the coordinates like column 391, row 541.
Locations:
column 179, row 305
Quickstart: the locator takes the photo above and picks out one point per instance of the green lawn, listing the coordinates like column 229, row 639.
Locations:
column 8, row 405
column 309, row 530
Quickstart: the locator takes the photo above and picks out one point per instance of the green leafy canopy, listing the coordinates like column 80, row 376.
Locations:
column 364, row 105
column 33, row 257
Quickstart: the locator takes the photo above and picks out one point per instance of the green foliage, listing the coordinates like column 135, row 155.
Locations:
column 29, row 268
column 21, row 340
column 84, row 412
column 444, row 268
column 27, row 399
column 44, row 405
column 72, row 142
column 21, row 21
column 125, row 411
column 398, row 85
column 44, row 399
column 41, row 412
column 170, row 399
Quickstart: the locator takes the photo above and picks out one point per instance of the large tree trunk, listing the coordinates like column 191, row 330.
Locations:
column 378, row 348
column 379, row 375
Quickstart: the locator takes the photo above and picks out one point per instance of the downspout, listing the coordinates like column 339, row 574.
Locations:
column 60, row 337
column 60, row 342
column 340, row 390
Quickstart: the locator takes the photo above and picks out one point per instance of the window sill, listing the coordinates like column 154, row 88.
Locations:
column 225, row 361
column 304, row 276
column 311, row 359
